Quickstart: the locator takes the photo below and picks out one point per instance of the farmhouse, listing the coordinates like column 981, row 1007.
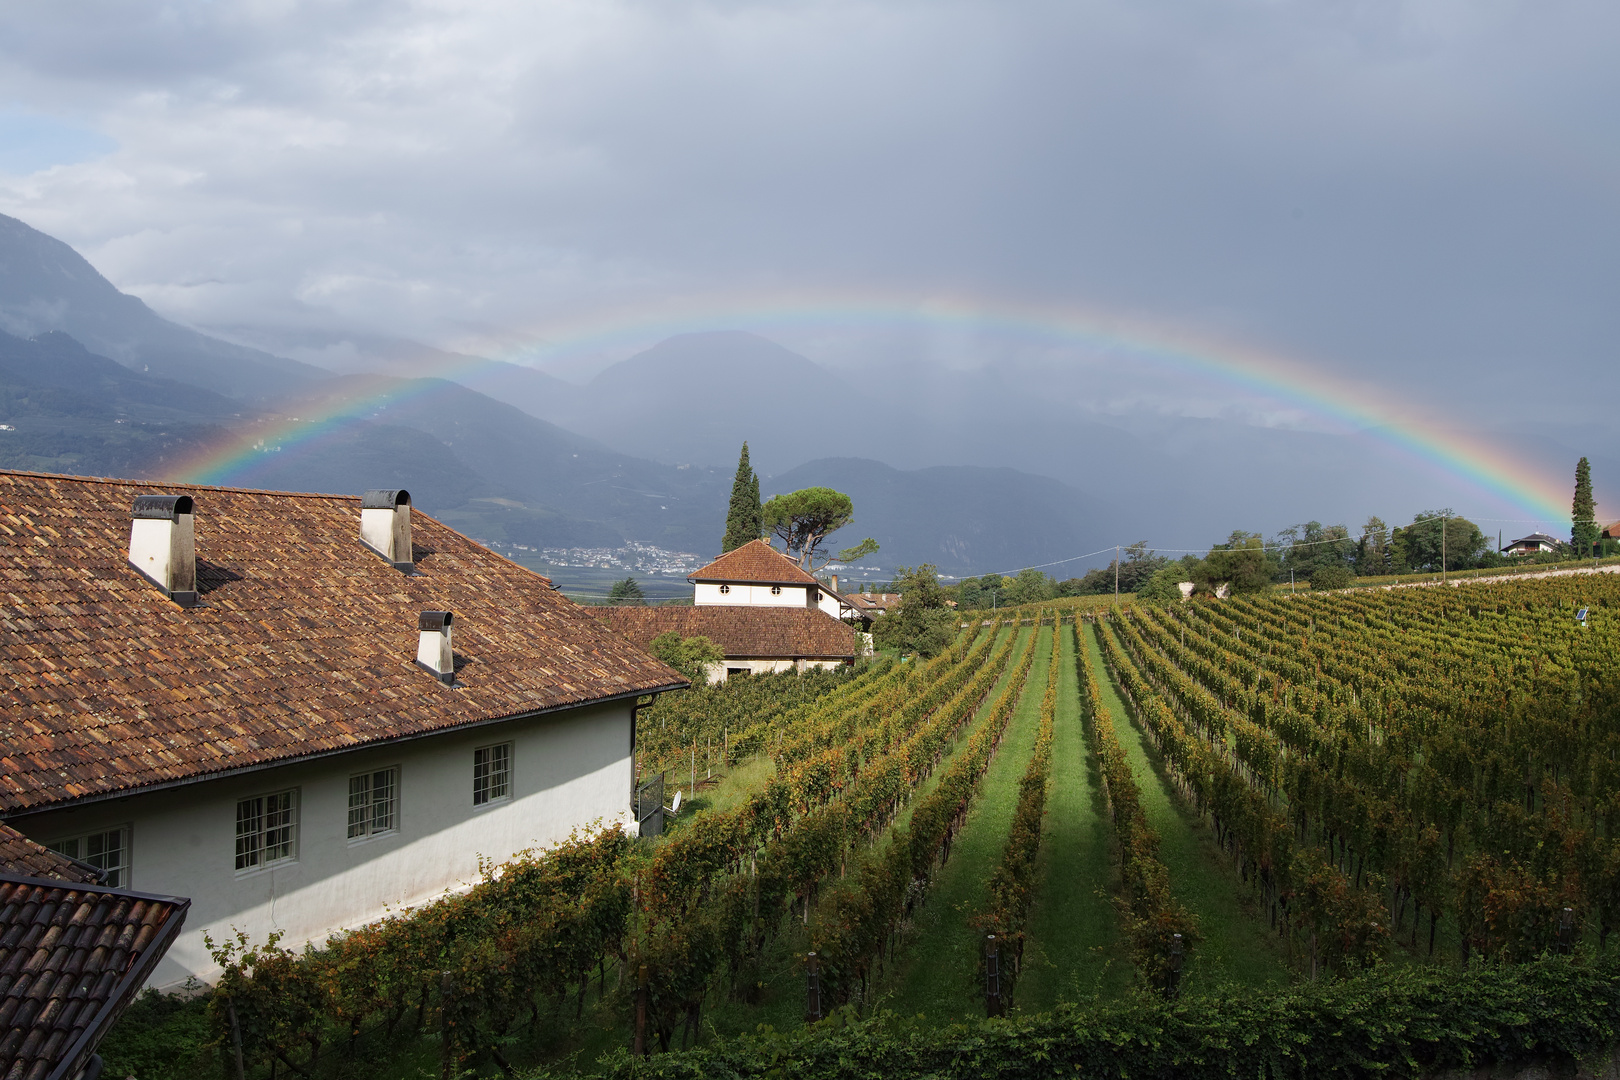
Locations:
column 755, row 640
column 1532, row 544
column 760, row 607
column 302, row 711
column 73, row 954
column 757, row 575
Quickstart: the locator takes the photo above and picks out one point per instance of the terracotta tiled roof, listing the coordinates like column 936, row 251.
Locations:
column 877, row 602
column 755, row 561
column 304, row 641
column 1611, row 532
column 740, row 631
column 71, row 957
column 21, row 856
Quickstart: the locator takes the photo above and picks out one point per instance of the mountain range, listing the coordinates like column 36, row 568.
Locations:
column 94, row 382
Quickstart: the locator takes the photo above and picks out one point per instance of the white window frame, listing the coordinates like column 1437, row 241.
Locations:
column 78, row 847
column 367, row 827
column 285, row 827
column 487, row 789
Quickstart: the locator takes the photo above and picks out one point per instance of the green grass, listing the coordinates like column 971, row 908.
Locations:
column 903, row 818
column 1238, row 947
column 936, row 971
column 726, row 791
column 1074, row 949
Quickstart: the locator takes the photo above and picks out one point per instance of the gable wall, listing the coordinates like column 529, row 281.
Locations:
column 750, row 595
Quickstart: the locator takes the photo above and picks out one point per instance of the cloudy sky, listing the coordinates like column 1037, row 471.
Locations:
column 1420, row 197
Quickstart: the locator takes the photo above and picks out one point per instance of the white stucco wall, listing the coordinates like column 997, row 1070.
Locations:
column 568, row 770
column 749, row 595
column 708, row 593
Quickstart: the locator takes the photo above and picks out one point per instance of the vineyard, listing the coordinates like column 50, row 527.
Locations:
column 1292, row 804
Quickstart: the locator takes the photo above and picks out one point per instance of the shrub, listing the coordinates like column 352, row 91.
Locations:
column 1331, row 576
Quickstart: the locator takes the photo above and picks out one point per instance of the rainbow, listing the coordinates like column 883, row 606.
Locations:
column 1480, row 465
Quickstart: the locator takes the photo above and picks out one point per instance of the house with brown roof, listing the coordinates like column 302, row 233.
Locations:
column 757, row 575
column 755, row 640
column 301, row 711
column 763, row 609
column 73, row 954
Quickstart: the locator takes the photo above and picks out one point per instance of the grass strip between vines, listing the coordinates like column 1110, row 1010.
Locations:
column 939, row 962
column 1075, row 951
column 1237, row 948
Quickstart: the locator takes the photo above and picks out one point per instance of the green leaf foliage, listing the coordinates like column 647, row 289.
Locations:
column 1583, row 511
column 922, row 623
column 744, row 521
column 1395, row 1022
column 689, row 656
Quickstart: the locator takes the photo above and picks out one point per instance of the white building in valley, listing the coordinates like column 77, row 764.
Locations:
column 300, row 711
column 761, row 608
column 757, row 575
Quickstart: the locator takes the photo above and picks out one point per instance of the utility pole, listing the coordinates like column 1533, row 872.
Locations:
column 1116, row 575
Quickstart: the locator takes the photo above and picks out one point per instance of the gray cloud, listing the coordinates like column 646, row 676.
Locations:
column 1421, row 195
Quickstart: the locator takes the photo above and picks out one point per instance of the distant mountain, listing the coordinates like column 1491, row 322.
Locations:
column 45, row 285
column 530, row 389
column 529, row 481
column 963, row 519
column 694, row 398
column 67, row 410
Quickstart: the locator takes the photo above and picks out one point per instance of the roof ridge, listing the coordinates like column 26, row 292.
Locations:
column 171, row 483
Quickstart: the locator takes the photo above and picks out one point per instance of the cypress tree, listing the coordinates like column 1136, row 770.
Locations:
column 1583, row 510
column 744, row 522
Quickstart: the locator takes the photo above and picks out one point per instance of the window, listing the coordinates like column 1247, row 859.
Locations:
column 724, row 589
column 776, row 590
column 266, row 830
column 815, row 596
column 372, row 800
column 107, row 851
column 492, row 773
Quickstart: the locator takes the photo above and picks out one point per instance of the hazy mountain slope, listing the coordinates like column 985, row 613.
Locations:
column 46, row 285
column 530, row 389
column 695, row 397
column 543, row 476
column 364, row 454
column 962, row 519
column 67, row 410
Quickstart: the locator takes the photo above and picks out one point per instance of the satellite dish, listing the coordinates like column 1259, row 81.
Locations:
column 675, row 807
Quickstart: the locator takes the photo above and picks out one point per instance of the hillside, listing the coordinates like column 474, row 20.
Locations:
column 526, row 481
column 45, row 285
column 68, row 410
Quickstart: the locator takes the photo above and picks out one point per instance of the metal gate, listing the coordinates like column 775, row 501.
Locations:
column 650, row 806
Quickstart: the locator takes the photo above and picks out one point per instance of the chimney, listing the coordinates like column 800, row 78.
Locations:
column 433, row 650
column 385, row 526
column 163, row 545
column 835, row 583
